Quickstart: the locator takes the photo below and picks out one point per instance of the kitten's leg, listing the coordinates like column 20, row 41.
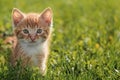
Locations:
column 43, row 67
column 42, row 58
column 26, row 60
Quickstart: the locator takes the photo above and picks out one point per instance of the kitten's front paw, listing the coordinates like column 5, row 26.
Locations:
column 43, row 70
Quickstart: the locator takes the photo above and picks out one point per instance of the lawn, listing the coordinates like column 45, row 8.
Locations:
column 85, row 42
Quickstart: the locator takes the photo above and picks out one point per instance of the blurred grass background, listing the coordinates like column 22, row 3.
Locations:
column 85, row 43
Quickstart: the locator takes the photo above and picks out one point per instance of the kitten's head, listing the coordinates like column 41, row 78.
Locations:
column 32, row 27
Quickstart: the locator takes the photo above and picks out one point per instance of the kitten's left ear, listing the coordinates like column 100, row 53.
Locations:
column 47, row 16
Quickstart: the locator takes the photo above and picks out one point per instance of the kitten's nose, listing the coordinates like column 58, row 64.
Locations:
column 32, row 37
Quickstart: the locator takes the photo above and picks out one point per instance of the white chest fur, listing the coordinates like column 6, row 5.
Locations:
column 32, row 49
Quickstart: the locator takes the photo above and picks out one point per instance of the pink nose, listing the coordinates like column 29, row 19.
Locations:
column 32, row 37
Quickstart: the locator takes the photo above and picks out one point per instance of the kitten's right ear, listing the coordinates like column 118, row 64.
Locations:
column 17, row 16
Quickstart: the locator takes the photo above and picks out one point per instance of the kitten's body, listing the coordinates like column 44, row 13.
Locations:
column 32, row 32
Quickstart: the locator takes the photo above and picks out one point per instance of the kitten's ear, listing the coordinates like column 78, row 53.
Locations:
column 17, row 16
column 47, row 16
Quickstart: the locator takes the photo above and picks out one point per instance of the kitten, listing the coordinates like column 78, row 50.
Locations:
column 32, row 33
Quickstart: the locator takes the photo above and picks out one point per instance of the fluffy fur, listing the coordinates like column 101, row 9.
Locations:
column 32, row 33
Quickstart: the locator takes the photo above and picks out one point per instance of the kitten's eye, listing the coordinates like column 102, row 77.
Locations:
column 25, row 31
column 39, row 31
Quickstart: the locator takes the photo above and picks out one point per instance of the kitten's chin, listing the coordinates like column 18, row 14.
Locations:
column 27, row 42
column 37, row 42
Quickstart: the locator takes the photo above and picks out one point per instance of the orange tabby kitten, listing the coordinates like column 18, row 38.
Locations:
column 32, row 33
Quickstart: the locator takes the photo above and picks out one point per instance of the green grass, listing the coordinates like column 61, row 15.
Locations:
column 85, row 43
